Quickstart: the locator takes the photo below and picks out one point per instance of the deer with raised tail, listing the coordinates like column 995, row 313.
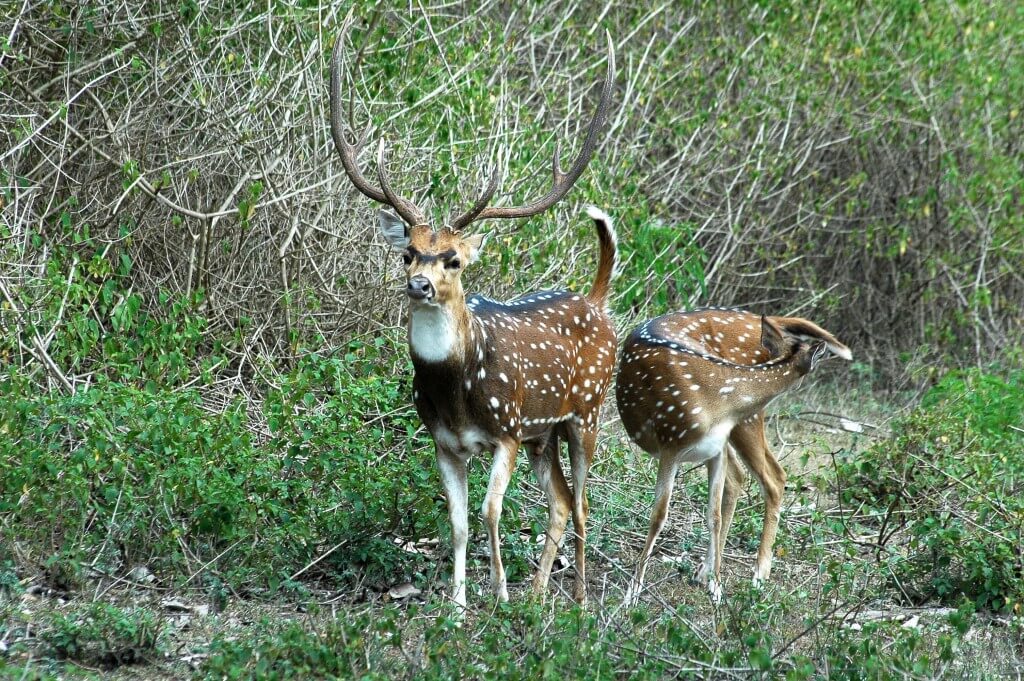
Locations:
column 492, row 376
column 692, row 388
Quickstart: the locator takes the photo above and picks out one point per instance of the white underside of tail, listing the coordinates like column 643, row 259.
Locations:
column 596, row 213
column 841, row 351
column 433, row 336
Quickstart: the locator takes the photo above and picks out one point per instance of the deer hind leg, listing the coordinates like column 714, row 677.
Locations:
column 501, row 473
column 548, row 469
column 735, row 481
column 750, row 443
column 453, row 477
column 667, row 466
column 582, row 444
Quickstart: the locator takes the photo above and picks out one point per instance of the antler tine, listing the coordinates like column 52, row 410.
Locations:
column 348, row 151
column 562, row 182
column 410, row 213
column 481, row 203
column 556, row 166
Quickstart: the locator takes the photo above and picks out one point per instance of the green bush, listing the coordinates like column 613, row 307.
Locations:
column 947, row 491
column 525, row 640
column 103, row 634
column 161, row 477
column 28, row 671
column 520, row 641
column 345, row 433
column 338, row 650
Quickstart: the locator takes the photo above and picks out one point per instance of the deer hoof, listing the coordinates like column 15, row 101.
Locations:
column 715, row 590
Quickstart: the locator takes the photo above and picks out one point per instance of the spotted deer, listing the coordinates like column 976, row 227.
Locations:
column 692, row 388
column 489, row 375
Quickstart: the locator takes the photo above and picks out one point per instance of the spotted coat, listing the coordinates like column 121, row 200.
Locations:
column 684, row 374
column 529, row 364
column 688, row 383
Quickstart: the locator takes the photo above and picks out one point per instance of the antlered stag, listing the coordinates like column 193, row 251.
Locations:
column 491, row 376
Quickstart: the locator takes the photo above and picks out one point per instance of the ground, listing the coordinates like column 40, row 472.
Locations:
column 799, row 605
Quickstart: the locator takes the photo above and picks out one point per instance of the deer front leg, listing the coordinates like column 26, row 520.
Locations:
column 709, row 572
column 453, row 478
column 501, row 473
column 667, row 465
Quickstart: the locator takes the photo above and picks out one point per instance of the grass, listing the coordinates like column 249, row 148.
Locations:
column 832, row 607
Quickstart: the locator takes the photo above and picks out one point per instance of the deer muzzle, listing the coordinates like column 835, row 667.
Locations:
column 420, row 288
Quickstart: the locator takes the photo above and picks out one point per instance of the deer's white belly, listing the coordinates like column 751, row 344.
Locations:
column 710, row 445
column 469, row 440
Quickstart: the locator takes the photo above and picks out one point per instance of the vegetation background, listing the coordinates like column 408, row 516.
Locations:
column 209, row 463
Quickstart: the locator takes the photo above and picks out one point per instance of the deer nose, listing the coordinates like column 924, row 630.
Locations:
column 420, row 288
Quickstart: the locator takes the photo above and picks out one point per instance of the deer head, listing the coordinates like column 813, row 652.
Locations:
column 434, row 259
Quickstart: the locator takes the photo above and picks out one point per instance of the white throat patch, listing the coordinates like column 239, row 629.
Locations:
column 432, row 333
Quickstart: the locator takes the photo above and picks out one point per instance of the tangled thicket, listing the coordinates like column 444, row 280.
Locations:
column 859, row 164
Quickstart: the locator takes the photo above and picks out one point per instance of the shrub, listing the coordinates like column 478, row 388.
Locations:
column 947, row 491
column 163, row 477
column 104, row 634
column 339, row 649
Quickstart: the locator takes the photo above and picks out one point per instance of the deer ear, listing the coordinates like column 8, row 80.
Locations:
column 475, row 242
column 393, row 229
column 772, row 338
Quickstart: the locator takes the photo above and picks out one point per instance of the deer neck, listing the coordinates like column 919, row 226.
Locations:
column 768, row 380
column 441, row 334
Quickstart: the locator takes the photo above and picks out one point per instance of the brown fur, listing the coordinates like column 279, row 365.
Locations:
column 532, row 371
column 689, row 383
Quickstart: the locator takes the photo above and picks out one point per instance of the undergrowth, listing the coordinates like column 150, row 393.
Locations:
column 530, row 641
column 122, row 474
column 945, row 495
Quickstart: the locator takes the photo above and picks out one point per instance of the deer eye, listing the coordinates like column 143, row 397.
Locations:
column 407, row 258
column 452, row 264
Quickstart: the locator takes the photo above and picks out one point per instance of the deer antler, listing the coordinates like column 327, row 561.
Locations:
column 348, row 151
column 410, row 213
column 562, row 181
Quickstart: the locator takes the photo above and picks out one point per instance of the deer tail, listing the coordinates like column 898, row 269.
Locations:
column 606, row 261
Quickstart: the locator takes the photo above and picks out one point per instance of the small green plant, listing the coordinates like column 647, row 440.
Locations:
column 28, row 670
column 9, row 582
column 348, row 647
column 104, row 635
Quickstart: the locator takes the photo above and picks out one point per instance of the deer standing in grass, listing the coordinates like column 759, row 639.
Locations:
column 692, row 388
column 491, row 376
